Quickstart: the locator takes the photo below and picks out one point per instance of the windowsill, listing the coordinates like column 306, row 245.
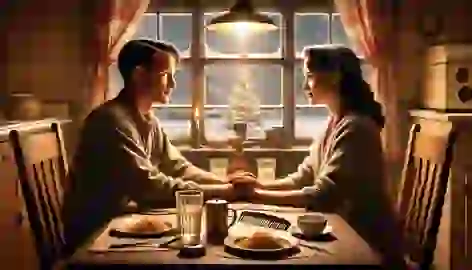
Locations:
column 260, row 144
column 250, row 149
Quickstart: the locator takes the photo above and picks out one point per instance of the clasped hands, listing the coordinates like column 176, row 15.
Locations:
column 244, row 185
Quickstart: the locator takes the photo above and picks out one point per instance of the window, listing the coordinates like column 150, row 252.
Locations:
column 242, row 75
column 240, row 91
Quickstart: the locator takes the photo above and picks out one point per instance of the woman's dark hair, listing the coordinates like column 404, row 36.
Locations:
column 356, row 95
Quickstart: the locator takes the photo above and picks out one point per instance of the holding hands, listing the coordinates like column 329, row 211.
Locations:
column 244, row 184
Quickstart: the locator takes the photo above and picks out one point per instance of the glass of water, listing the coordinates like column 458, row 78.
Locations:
column 189, row 216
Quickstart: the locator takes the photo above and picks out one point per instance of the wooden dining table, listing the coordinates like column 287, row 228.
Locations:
column 346, row 248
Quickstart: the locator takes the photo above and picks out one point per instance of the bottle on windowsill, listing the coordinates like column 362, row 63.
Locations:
column 237, row 161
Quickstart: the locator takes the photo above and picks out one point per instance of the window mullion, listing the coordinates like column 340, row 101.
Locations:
column 197, row 84
column 288, row 92
column 159, row 25
column 330, row 28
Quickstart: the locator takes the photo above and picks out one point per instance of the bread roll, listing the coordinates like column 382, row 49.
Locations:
column 261, row 240
column 148, row 225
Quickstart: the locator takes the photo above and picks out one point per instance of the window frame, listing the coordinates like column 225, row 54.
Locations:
column 288, row 61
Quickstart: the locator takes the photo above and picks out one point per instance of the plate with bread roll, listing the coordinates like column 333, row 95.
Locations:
column 143, row 226
column 262, row 244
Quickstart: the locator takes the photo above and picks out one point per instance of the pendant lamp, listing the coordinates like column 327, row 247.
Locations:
column 241, row 17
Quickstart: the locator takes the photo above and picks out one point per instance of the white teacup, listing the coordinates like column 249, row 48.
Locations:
column 312, row 225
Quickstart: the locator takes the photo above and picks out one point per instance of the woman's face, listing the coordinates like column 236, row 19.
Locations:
column 319, row 86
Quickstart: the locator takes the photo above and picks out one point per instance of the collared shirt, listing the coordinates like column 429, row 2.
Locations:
column 122, row 155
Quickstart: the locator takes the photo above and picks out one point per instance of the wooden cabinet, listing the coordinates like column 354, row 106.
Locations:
column 454, row 245
column 16, row 240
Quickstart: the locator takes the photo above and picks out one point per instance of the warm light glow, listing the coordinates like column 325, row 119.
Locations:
column 197, row 113
column 242, row 28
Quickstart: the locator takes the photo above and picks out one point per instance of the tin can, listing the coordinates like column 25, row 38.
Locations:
column 217, row 220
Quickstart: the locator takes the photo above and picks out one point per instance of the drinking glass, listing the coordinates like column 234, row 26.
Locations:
column 189, row 216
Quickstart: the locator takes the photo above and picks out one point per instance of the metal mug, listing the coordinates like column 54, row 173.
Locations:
column 217, row 220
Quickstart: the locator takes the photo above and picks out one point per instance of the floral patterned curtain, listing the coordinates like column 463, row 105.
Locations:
column 115, row 22
column 370, row 26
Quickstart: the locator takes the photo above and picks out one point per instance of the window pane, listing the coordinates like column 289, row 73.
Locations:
column 148, row 27
column 177, row 29
column 367, row 71
column 259, row 84
column 219, row 122
column 264, row 44
column 175, row 122
column 115, row 82
column 310, row 121
column 310, row 29
column 337, row 32
column 182, row 93
column 300, row 97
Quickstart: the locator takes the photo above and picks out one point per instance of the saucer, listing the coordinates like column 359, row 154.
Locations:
column 325, row 234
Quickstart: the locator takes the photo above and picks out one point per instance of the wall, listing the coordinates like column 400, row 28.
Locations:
column 46, row 54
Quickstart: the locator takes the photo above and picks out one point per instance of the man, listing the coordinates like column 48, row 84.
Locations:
column 124, row 154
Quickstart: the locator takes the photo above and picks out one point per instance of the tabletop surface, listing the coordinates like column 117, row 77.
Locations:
column 346, row 248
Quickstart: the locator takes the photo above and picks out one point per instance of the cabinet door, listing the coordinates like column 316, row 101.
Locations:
column 16, row 245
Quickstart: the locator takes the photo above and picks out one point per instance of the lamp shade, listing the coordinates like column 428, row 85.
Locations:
column 241, row 17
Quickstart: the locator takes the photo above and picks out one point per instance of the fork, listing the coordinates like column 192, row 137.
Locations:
column 146, row 243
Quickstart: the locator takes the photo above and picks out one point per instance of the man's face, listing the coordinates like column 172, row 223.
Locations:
column 160, row 77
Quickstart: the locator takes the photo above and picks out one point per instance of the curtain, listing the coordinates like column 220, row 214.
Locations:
column 115, row 22
column 369, row 24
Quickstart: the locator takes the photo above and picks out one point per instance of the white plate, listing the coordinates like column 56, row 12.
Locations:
column 289, row 246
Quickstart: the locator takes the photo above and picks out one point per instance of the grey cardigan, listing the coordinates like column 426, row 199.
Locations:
column 122, row 155
column 345, row 173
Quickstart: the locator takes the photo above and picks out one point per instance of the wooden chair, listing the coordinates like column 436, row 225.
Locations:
column 42, row 169
column 16, row 239
column 425, row 176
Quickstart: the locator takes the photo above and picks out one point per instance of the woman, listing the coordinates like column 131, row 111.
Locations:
column 344, row 171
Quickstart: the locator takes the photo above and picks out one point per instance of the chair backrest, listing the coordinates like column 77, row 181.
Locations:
column 42, row 169
column 424, row 183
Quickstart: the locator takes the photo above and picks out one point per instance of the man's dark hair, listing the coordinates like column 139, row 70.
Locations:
column 139, row 53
